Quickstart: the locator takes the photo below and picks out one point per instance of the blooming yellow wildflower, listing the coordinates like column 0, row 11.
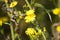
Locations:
column 30, row 16
column 0, row 22
column 6, row 1
column 13, row 4
column 56, row 11
column 30, row 31
column 58, row 28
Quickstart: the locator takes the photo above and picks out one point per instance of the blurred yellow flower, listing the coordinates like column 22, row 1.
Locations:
column 30, row 16
column 56, row 11
column 6, row 1
column 0, row 22
column 58, row 28
column 30, row 31
column 13, row 4
column 4, row 19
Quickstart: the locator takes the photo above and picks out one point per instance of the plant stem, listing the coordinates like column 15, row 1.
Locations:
column 43, row 35
column 48, row 15
column 28, row 4
column 12, row 32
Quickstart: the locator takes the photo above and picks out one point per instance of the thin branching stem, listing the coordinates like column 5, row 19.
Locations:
column 28, row 4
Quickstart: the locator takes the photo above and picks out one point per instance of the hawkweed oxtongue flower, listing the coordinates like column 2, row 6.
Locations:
column 30, row 31
column 30, row 16
column 58, row 28
column 4, row 19
column 13, row 4
column 56, row 11
column 1, row 22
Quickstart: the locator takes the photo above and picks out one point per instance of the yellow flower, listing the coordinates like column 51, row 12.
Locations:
column 30, row 16
column 30, row 31
column 6, row 1
column 13, row 4
column 4, row 19
column 0, row 22
column 56, row 11
column 58, row 28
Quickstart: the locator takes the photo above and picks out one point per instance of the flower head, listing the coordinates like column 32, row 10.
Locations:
column 13, row 4
column 56, row 11
column 30, row 31
column 4, row 19
column 30, row 16
column 0, row 22
column 58, row 28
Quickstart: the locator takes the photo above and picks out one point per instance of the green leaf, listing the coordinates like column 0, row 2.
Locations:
column 39, row 5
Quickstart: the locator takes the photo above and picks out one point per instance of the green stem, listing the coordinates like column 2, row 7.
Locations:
column 12, row 32
column 48, row 15
column 43, row 36
column 28, row 4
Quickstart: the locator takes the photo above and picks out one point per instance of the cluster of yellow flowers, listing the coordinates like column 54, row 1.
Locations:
column 56, row 11
column 58, row 28
column 32, row 32
column 30, row 16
